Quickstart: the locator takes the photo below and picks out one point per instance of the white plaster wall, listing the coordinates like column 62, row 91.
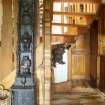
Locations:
column 60, row 71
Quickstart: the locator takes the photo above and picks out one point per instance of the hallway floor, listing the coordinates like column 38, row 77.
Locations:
column 81, row 93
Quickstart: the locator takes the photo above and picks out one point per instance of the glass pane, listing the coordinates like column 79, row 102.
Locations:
column 65, row 19
column 65, row 30
column 68, row 30
column 57, row 18
column 56, row 29
column 57, row 7
column 65, row 7
column 69, row 7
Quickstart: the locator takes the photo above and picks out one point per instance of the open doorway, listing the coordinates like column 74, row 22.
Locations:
column 60, row 66
column 61, row 70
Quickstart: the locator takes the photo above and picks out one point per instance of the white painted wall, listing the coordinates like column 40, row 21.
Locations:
column 60, row 71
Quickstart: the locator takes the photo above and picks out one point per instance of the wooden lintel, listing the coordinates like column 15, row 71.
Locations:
column 74, row 25
column 76, row 1
column 73, row 13
column 67, row 35
column 62, row 39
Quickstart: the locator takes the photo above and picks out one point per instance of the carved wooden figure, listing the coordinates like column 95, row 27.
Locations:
column 26, row 41
column 25, row 65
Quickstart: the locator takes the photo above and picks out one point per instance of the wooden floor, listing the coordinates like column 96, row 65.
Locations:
column 80, row 93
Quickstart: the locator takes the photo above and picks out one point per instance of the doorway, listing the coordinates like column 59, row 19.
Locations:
column 61, row 70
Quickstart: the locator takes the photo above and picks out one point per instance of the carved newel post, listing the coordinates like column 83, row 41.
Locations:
column 5, row 96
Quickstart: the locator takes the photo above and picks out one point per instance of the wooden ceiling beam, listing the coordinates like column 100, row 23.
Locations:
column 74, row 25
column 66, row 35
column 74, row 13
column 62, row 39
column 86, row 1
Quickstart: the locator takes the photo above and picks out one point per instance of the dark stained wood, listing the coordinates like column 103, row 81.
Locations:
column 102, row 73
column 102, row 57
column 93, row 53
column 102, row 20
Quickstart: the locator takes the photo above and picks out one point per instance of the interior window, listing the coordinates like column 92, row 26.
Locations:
column 57, row 7
column 57, row 18
column 56, row 29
